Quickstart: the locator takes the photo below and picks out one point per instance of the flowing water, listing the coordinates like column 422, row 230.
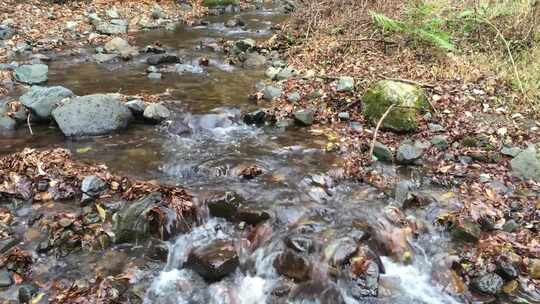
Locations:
column 299, row 187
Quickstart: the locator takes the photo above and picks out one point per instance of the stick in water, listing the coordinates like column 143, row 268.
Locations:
column 377, row 130
column 28, row 122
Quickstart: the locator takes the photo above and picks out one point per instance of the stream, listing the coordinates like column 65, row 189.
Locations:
column 301, row 189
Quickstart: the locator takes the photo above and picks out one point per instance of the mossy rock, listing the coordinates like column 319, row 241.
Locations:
column 409, row 101
column 213, row 3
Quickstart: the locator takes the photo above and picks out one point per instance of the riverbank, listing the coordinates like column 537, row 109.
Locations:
column 475, row 134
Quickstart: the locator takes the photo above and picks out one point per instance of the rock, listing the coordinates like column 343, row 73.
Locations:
column 285, row 73
column 344, row 116
column 42, row 100
column 510, row 226
column 510, row 151
column 5, row 32
column 440, row 142
column 490, row 284
column 154, row 76
column 316, row 292
column 293, row 266
column 366, row 283
column 113, row 13
column 156, row 112
column 271, row 72
column 304, row 117
column 136, row 106
column 5, row 278
column 7, row 244
column 409, row 101
column 243, row 45
column 188, row 68
column 409, row 152
column 507, row 269
column 92, row 186
column 339, row 251
column 300, row 243
column 258, row 117
column 234, row 22
column 71, row 25
column 435, row 127
column 271, row 92
column 527, row 163
column 345, row 84
column 120, row 46
column 224, row 205
column 154, row 49
column 534, row 269
column 27, row 292
column 251, row 216
column 32, row 74
column 7, row 123
column 254, row 60
column 403, row 191
column 294, row 96
column 215, row 261
column 106, row 28
column 103, row 58
column 162, row 59
column 152, row 69
column 92, row 115
column 131, row 222
column 157, row 12
column 382, row 152
column 466, row 230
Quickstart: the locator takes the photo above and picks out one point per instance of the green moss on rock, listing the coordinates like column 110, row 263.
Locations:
column 409, row 100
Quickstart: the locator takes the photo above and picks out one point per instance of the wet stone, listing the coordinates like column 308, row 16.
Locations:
column 7, row 123
column 300, row 243
column 510, row 226
column 32, row 74
column 5, row 278
column 364, row 284
column 258, row 117
column 26, row 292
column 252, row 216
column 507, row 269
column 466, row 230
column 490, row 284
column 131, row 222
column 293, row 265
column 163, row 59
column 316, row 292
column 224, row 205
column 215, row 261
column 136, row 106
column 340, row 251
column 154, row 76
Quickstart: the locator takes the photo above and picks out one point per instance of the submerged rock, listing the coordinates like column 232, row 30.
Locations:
column 7, row 123
column 293, row 265
column 215, row 261
column 527, row 163
column 32, row 74
column 366, row 282
column 258, row 117
column 251, row 216
column 163, row 59
column 5, row 278
column 92, row 115
column 408, row 99
column 490, row 284
column 224, row 205
column 131, row 223
column 316, row 292
column 42, row 100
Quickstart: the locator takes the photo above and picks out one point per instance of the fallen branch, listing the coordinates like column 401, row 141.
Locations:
column 377, row 130
column 28, row 122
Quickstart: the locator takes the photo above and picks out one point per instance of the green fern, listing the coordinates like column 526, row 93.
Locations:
column 418, row 27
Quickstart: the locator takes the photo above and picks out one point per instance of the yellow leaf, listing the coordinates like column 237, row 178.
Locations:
column 84, row 150
column 36, row 299
column 102, row 212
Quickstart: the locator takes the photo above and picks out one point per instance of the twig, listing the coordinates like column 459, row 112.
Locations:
column 377, row 130
column 28, row 122
column 370, row 39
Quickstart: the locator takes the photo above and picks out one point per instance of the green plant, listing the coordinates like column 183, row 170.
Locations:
column 419, row 24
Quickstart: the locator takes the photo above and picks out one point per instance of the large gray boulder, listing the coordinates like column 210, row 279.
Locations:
column 92, row 115
column 42, row 100
column 408, row 101
column 32, row 73
column 527, row 163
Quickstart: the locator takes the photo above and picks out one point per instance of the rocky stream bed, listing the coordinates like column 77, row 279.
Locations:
column 151, row 176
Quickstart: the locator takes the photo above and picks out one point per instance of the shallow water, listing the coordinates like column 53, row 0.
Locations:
column 205, row 160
